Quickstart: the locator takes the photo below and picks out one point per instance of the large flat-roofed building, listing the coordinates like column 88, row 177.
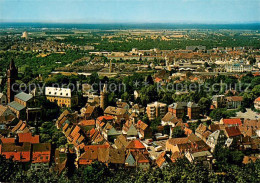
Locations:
column 238, row 68
column 63, row 96
column 156, row 109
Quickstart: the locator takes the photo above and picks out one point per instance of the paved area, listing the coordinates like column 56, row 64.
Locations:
column 249, row 114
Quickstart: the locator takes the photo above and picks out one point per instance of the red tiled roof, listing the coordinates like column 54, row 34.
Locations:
column 7, row 140
column 141, row 125
column 233, row 131
column 135, row 144
column 27, row 137
column 87, row 122
column 142, row 159
column 157, row 80
column 160, row 160
column 234, row 121
column 175, row 141
column 105, row 117
column 257, row 99
column 187, row 131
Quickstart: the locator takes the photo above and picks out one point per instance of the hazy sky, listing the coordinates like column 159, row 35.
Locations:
column 109, row 11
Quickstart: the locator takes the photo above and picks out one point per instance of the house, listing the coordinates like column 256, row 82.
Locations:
column 121, row 142
column 156, row 109
column 87, row 124
column 249, row 159
column 119, row 114
column 250, row 128
column 203, row 157
column 218, row 101
column 135, row 146
column 28, row 137
column 216, row 137
column 95, row 137
column 232, row 132
column 90, row 154
column 63, row 96
column 63, row 119
column 3, row 99
column 5, row 111
column 234, row 102
column 192, row 143
column 257, row 103
column 175, row 156
column 20, row 153
column 24, row 99
column 18, row 109
column 111, row 157
column 178, row 109
column 130, row 160
column 129, row 129
column 41, row 155
column 231, row 122
column 6, row 122
column 170, row 119
column 193, row 110
column 61, row 159
column 181, row 109
column 202, row 132
column 102, row 120
column 161, row 160
column 122, row 105
column 178, row 144
column 142, row 161
column 144, row 131
column 234, row 135
column 20, row 127
column 90, row 112
column 9, row 140
column 74, row 135
column 110, row 133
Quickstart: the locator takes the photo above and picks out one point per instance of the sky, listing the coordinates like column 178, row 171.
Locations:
column 130, row 11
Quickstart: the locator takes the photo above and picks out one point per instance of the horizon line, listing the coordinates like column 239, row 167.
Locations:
column 184, row 23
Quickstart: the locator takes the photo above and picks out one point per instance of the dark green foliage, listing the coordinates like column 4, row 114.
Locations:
column 50, row 133
column 220, row 113
column 178, row 132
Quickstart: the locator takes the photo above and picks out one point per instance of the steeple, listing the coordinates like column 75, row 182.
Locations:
column 12, row 71
column 12, row 74
column 104, row 97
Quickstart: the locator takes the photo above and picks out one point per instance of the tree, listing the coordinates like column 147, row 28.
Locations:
column 8, row 169
column 256, row 90
column 178, row 132
column 204, row 104
column 206, row 64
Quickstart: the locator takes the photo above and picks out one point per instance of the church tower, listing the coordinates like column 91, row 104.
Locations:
column 12, row 74
column 104, row 97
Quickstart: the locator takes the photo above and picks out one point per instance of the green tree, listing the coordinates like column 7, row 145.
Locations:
column 204, row 104
column 178, row 132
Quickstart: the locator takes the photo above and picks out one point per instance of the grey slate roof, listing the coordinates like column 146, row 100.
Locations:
column 192, row 104
column 24, row 96
column 202, row 153
column 16, row 106
column 178, row 105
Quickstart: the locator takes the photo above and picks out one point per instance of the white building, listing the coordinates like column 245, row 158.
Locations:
column 238, row 68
